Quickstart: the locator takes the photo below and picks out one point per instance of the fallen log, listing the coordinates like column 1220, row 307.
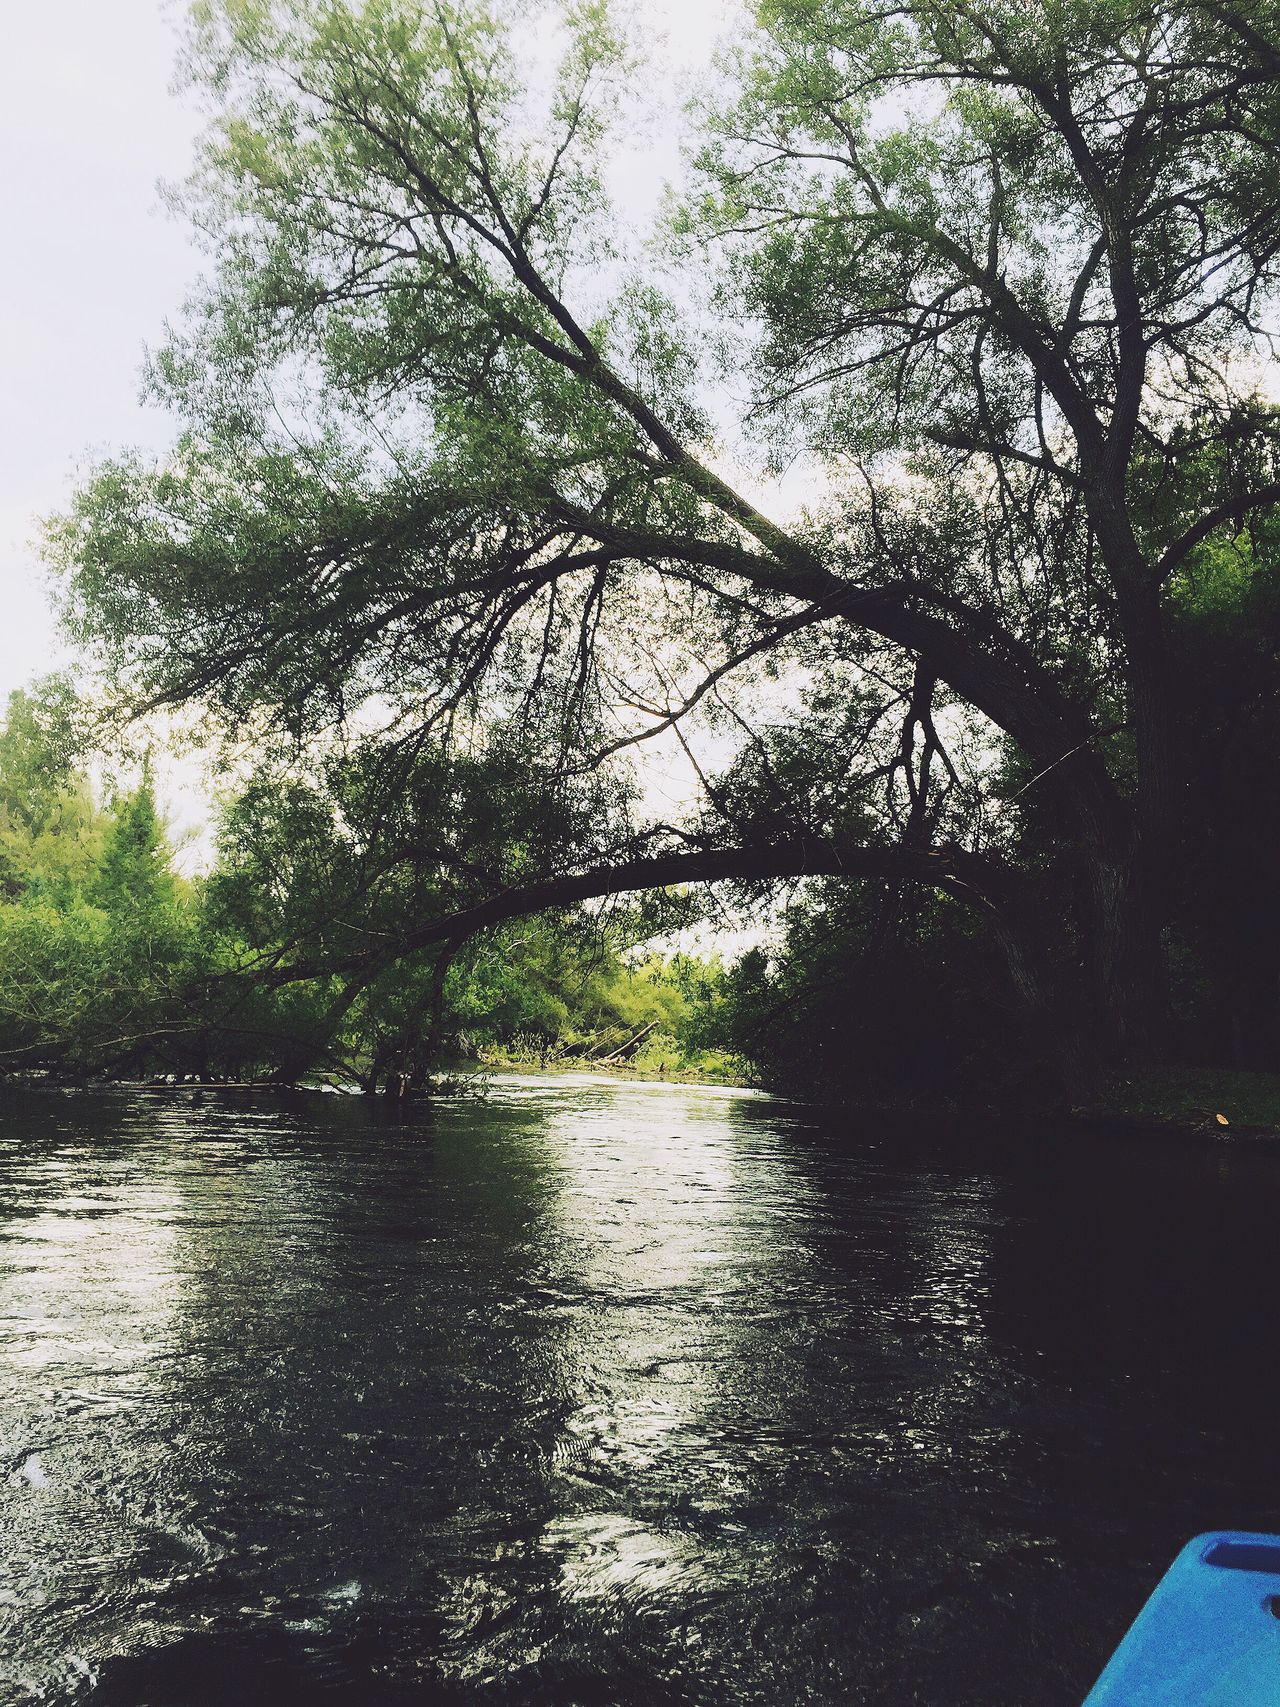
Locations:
column 629, row 1045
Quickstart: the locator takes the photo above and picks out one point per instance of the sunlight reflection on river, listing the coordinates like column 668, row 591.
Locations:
column 681, row 1238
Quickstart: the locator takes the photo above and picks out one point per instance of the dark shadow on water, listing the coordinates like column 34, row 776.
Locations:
column 274, row 1670
column 284, row 1669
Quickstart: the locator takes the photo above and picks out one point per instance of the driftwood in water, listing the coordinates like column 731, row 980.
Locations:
column 629, row 1045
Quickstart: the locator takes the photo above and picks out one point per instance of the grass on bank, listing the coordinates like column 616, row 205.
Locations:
column 1197, row 1095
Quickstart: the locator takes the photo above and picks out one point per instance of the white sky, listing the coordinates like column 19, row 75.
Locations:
column 93, row 265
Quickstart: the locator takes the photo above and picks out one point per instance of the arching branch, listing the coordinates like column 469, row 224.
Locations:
column 981, row 882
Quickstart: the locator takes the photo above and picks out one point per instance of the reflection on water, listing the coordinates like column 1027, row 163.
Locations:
column 596, row 1394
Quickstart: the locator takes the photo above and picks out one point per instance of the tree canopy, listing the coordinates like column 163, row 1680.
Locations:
column 479, row 492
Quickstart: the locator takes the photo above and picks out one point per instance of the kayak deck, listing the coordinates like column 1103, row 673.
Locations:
column 1210, row 1634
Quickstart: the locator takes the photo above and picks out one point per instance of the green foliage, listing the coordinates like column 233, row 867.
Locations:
column 871, row 994
column 133, row 877
column 111, row 963
column 1225, row 938
column 58, row 978
column 1195, row 1097
column 50, row 832
column 294, row 867
column 97, row 935
column 547, row 993
column 447, row 528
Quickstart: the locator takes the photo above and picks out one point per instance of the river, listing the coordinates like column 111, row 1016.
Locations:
column 589, row 1395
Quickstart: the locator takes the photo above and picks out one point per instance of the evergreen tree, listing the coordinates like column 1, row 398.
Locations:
column 134, row 882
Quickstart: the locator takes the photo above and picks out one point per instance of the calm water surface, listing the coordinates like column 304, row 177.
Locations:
column 593, row 1395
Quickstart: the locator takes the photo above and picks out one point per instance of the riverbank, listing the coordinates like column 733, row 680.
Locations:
column 1208, row 1102
column 1211, row 1102
column 1197, row 1102
column 1175, row 1102
column 658, row 1058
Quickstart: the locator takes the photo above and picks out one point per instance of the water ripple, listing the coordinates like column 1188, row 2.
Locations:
column 598, row 1393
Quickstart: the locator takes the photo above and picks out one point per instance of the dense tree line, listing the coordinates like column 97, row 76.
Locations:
column 474, row 497
column 112, row 964
column 95, row 930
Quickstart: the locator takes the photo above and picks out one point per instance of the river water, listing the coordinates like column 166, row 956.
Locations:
column 596, row 1394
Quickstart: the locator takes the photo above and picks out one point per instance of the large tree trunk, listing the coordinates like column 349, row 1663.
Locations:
column 1087, row 968
column 1123, row 960
column 1090, row 989
column 1136, row 975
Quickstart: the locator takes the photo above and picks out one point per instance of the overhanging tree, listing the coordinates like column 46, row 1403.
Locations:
column 456, row 458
